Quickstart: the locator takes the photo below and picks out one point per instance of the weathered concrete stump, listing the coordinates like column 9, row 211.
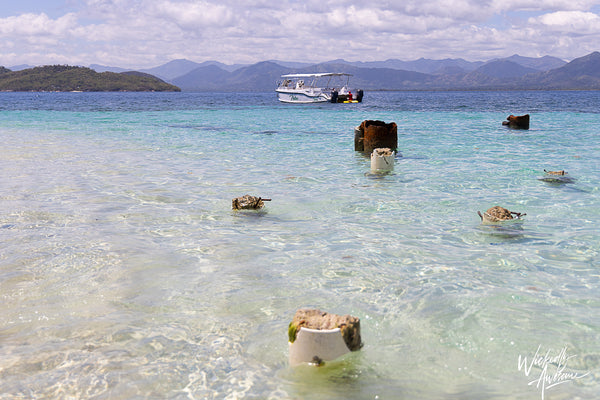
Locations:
column 557, row 177
column 372, row 134
column 498, row 214
column 382, row 160
column 517, row 122
column 316, row 336
column 248, row 202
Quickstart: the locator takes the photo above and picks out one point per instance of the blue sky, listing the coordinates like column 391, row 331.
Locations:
column 148, row 33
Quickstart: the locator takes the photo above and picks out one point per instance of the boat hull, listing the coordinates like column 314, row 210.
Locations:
column 288, row 96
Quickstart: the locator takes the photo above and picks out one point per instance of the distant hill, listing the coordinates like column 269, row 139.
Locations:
column 504, row 74
column 514, row 72
column 581, row 73
column 66, row 78
column 456, row 65
column 209, row 78
column 177, row 68
column 260, row 75
column 541, row 64
column 173, row 69
column 376, row 78
column 422, row 65
column 257, row 77
column 291, row 64
column 503, row 69
column 20, row 67
column 104, row 68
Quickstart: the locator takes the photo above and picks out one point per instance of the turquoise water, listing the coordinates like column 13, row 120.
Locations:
column 125, row 274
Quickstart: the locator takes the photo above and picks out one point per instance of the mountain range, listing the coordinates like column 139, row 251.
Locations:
column 515, row 72
column 510, row 73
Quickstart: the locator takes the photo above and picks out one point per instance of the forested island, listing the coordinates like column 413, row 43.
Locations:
column 65, row 78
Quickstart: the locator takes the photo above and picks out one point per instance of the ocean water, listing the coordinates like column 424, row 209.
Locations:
column 124, row 273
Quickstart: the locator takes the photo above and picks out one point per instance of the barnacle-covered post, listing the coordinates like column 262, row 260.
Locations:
column 248, row 202
column 316, row 336
column 498, row 214
column 382, row 160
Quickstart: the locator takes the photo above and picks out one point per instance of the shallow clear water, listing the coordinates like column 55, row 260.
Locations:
column 125, row 274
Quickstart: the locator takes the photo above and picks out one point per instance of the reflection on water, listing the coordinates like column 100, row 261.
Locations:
column 504, row 231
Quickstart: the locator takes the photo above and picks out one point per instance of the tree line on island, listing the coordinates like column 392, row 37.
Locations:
column 65, row 78
column 512, row 73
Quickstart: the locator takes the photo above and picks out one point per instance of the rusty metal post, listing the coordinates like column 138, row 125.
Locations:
column 378, row 134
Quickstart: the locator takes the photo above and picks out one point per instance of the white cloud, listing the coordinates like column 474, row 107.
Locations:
column 36, row 25
column 145, row 33
column 193, row 15
column 543, row 5
column 577, row 22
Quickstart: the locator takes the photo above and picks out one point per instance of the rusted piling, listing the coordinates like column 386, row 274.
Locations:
column 373, row 134
column 517, row 122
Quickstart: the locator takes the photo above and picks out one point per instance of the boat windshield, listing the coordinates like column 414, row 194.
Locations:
column 326, row 80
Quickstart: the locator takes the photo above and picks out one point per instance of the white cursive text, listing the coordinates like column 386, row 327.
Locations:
column 549, row 378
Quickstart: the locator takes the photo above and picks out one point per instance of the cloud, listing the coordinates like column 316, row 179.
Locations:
column 569, row 22
column 37, row 25
column 193, row 15
column 145, row 33
column 542, row 5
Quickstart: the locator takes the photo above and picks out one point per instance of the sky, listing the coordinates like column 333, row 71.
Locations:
column 148, row 33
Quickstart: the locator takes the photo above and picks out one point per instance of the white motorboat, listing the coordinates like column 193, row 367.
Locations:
column 317, row 88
